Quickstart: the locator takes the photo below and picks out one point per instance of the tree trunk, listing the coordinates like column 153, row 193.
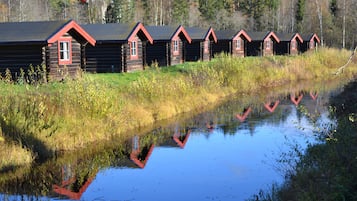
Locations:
column 319, row 15
column 344, row 25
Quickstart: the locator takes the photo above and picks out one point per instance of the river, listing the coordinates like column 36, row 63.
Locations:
column 230, row 152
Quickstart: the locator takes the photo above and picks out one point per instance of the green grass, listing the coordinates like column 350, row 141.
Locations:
column 76, row 113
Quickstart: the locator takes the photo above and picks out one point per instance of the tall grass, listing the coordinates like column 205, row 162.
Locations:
column 77, row 113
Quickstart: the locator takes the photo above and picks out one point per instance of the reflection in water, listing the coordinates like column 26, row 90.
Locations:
column 271, row 106
column 244, row 115
column 140, row 154
column 296, row 98
column 70, row 185
column 217, row 155
column 313, row 95
column 181, row 138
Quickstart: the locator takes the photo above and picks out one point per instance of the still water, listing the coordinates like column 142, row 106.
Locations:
column 227, row 153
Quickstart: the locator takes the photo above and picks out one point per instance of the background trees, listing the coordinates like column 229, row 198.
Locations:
column 335, row 21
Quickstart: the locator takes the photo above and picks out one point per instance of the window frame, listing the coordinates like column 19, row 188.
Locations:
column 175, row 48
column 268, row 44
column 134, row 47
column 205, row 46
column 293, row 44
column 238, row 44
column 61, row 49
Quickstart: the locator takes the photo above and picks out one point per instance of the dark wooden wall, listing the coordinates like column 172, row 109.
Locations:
column 305, row 46
column 282, row 48
column 194, row 51
column 158, row 52
column 14, row 57
column 58, row 72
column 254, row 48
column 104, row 58
column 222, row 46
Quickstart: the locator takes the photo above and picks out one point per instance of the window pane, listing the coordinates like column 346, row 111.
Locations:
column 133, row 48
column 64, row 50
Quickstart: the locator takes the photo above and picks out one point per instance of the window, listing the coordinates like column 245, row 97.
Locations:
column 268, row 44
column 133, row 49
column 206, row 44
column 293, row 44
column 176, row 47
column 238, row 44
column 64, row 51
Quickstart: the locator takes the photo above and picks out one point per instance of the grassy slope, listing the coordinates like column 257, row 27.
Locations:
column 74, row 114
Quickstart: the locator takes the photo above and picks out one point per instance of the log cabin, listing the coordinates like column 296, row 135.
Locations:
column 262, row 43
column 290, row 44
column 169, row 45
column 200, row 48
column 119, row 47
column 232, row 42
column 56, row 46
column 311, row 42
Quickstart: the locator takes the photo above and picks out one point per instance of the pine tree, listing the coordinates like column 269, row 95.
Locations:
column 299, row 16
column 180, row 12
column 120, row 11
column 255, row 10
column 210, row 8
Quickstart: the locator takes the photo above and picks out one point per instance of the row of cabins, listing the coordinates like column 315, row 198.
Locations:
column 65, row 47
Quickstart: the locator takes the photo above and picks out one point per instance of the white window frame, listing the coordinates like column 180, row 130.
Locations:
column 238, row 44
column 176, row 46
column 133, row 48
column 65, row 51
column 268, row 44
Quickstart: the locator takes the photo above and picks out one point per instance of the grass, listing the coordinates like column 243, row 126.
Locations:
column 76, row 113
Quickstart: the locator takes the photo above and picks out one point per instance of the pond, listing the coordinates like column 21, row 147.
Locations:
column 230, row 152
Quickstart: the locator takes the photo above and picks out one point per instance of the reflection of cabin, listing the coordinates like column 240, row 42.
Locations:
column 243, row 116
column 181, row 138
column 311, row 42
column 271, row 106
column 140, row 154
column 120, row 47
column 168, row 47
column 232, row 42
column 201, row 45
column 69, row 186
column 262, row 43
column 57, row 45
column 178, row 139
column 290, row 44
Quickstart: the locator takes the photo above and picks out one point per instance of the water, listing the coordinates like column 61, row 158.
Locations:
column 228, row 153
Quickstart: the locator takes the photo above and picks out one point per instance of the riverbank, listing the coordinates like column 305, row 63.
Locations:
column 43, row 119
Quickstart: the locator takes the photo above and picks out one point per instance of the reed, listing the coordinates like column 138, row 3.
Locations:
column 45, row 118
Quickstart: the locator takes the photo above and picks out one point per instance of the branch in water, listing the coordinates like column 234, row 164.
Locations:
column 340, row 70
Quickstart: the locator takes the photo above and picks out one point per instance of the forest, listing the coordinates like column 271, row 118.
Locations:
column 335, row 21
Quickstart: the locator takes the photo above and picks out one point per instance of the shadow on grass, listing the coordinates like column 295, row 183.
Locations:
column 26, row 140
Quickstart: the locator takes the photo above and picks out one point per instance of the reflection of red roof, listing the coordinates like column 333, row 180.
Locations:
column 135, row 153
column 271, row 106
column 62, row 190
column 244, row 115
column 296, row 100
column 181, row 143
column 313, row 95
